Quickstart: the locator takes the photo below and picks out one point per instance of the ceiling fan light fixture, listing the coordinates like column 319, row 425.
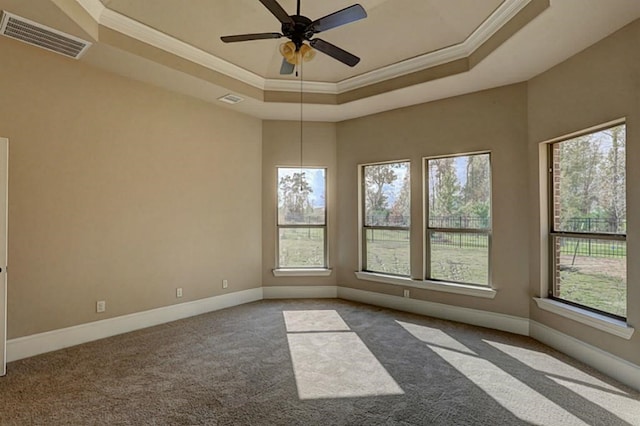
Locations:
column 295, row 57
column 307, row 53
column 299, row 29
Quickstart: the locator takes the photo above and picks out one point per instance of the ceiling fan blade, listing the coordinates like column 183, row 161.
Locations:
column 335, row 52
column 286, row 67
column 247, row 37
column 277, row 11
column 336, row 19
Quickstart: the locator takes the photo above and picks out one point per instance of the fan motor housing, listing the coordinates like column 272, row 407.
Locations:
column 299, row 31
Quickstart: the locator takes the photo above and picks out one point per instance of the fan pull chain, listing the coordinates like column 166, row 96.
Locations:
column 301, row 112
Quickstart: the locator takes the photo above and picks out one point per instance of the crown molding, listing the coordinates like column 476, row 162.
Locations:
column 499, row 18
column 294, row 86
column 94, row 8
column 419, row 63
column 134, row 29
column 503, row 14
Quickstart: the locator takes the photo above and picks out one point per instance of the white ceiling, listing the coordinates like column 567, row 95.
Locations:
column 392, row 34
column 401, row 29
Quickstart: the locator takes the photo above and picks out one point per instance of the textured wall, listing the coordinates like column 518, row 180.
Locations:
column 281, row 147
column 493, row 120
column 598, row 85
column 120, row 192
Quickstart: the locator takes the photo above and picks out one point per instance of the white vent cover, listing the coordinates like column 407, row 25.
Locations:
column 40, row 35
column 231, row 99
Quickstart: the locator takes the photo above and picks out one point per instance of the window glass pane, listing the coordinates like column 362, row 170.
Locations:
column 301, row 247
column 301, row 196
column 592, row 272
column 460, row 257
column 589, row 183
column 387, row 251
column 387, row 195
column 460, row 192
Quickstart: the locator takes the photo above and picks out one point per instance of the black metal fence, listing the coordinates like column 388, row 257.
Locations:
column 459, row 222
column 592, row 247
column 461, row 240
column 568, row 246
column 448, row 239
column 387, row 219
column 593, row 224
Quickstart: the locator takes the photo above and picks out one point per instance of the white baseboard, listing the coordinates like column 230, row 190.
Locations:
column 300, row 292
column 615, row 367
column 611, row 365
column 24, row 347
column 487, row 319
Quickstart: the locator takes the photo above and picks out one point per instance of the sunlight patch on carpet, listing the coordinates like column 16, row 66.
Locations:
column 610, row 398
column 305, row 321
column 337, row 365
column 497, row 383
column 435, row 337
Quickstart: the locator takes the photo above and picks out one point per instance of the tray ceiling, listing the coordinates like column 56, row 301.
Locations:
column 412, row 51
column 393, row 31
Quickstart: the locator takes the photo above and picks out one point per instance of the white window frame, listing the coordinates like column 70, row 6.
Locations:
column 362, row 249
column 462, row 231
column 588, row 314
column 316, row 270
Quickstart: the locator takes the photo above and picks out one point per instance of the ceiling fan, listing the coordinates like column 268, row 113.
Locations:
column 300, row 29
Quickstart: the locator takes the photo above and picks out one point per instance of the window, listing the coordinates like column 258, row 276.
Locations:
column 588, row 221
column 386, row 219
column 302, row 218
column 458, row 218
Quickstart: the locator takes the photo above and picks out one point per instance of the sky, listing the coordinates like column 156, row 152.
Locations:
column 315, row 178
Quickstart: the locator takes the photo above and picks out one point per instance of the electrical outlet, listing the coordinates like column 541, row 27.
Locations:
column 101, row 306
column 225, row 283
column 179, row 292
column 406, row 293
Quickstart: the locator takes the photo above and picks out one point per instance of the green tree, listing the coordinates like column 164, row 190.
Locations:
column 613, row 181
column 294, row 194
column 477, row 189
column 444, row 196
column 376, row 201
column 580, row 159
column 401, row 209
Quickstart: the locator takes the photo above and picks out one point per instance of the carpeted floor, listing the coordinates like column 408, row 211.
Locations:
column 312, row 362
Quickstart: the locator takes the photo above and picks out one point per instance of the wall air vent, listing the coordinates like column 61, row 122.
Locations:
column 40, row 35
column 231, row 99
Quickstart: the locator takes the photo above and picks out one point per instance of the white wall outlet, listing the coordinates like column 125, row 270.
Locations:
column 406, row 293
column 101, row 306
column 225, row 283
column 179, row 292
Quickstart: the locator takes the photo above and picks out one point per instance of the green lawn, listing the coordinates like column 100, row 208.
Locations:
column 594, row 281
column 597, row 281
column 593, row 247
column 301, row 248
column 390, row 257
column 460, row 264
column 448, row 263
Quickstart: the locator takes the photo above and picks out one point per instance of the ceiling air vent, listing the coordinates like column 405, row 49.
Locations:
column 40, row 35
column 231, row 99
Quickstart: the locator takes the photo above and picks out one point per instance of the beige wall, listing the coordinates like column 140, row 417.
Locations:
column 493, row 120
column 281, row 147
column 122, row 192
column 596, row 86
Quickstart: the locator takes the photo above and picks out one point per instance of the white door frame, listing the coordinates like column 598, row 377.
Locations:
column 4, row 189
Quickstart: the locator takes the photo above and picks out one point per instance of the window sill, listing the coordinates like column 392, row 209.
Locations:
column 592, row 319
column 301, row 272
column 463, row 289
